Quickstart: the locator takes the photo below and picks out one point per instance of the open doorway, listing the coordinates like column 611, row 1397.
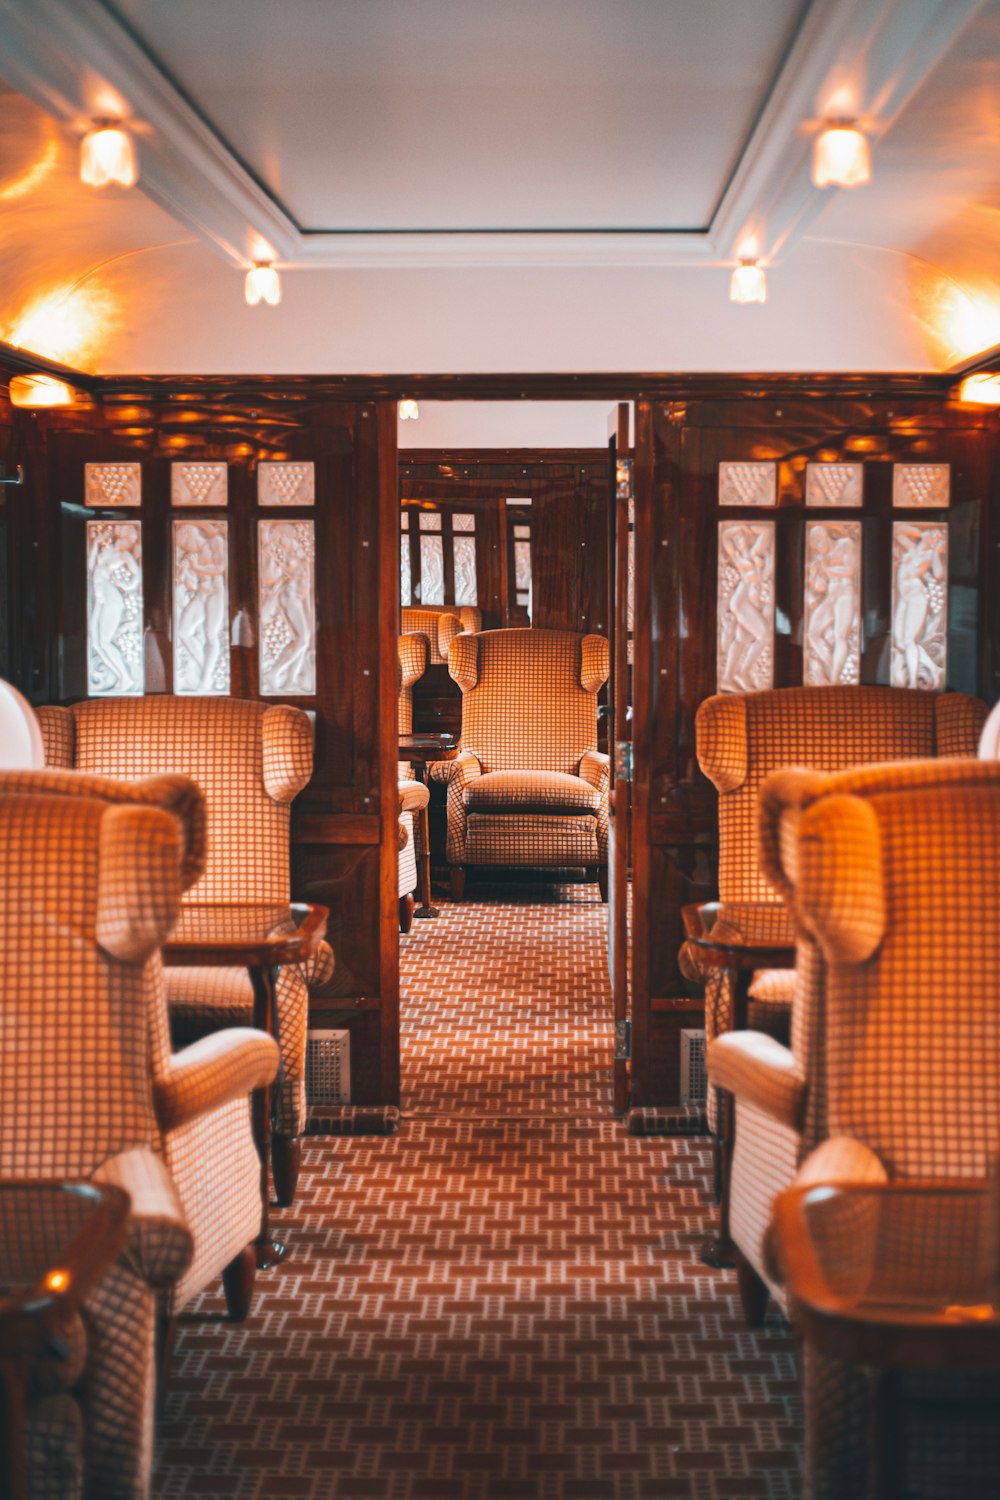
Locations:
column 505, row 524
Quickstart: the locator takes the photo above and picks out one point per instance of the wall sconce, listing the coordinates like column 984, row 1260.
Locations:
column 108, row 154
column 39, row 390
column 262, row 284
column 841, row 157
column 748, row 283
column 409, row 411
column 980, row 390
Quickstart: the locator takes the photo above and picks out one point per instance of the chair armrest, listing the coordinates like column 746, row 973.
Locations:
column 213, row 1070
column 413, row 796
column 320, row 967
column 595, row 768
column 758, row 1070
column 840, row 1159
column 455, row 770
column 160, row 1244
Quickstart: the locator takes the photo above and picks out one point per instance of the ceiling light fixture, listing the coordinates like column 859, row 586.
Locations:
column 39, row 390
column 409, row 411
column 841, row 157
column 980, row 390
column 262, row 284
column 108, row 154
column 748, row 283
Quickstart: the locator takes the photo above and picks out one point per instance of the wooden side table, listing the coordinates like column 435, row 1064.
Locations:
column 261, row 938
column 421, row 750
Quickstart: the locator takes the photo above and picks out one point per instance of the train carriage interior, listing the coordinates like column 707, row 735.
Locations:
column 499, row 750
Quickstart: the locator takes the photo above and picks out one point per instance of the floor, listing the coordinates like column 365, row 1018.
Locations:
column 504, row 1301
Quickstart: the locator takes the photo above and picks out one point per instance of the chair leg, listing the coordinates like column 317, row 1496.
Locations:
column 457, row 876
column 286, row 1159
column 602, row 880
column 406, row 912
column 753, row 1291
column 166, row 1328
column 237, row 1283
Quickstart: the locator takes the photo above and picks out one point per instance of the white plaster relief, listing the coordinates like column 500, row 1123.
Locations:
column 832, row 627
column 748, row 483
column 114, row 609
column 286, row 483
column 745, row 661
column 921, row 486
column 464, row 554
column 834, row 484
column 919, row 605
column 404, row 569
column 201, row 607
column 199, row 484
column 112, row 484
column 431, row 569
column 287, row 606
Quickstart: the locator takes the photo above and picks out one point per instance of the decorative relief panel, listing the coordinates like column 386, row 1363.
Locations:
column 919, row 605
column 748, row 484
column 466, row 591
column 404, row 569
column 430, row 520
column 286, row 483
column 745, row 639
column 431, row 568
column 463, row 523
column 287, row 608
column 112, row 484
column 114, row 609
column 198, row 484
column 201, row 607
column 924, row 486
column 832, row 624
column 522, row 570
column 834, row 484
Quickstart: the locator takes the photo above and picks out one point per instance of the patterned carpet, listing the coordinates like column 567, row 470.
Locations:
column 504, row 1301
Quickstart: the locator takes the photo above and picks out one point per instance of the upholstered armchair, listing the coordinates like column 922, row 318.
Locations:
column 250, row 760
column 741, row 738
column 529, row 787
column 93, row 874
column 892, row 874
column 440, row 624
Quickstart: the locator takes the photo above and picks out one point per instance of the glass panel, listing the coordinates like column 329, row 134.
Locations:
column 832, row 627
column 286, row 483
column 404, row 570
column 834, row 484
column 919, row 605
column 430, row 520
column 522, row 574
column 747, row 484
column 198, row 484
column 287, row 608
column 431, row 569
column 463, row 523
column 114, row 609
column 921, row 485
column 404, row 521
column 112, row 484
column 523, row 532
column 465, row 570
column 745, row 638
column 201, row 607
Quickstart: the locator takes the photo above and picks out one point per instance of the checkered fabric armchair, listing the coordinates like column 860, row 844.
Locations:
column 413, row 795
column 741, row 738
column 89, row 1089
column 529, row 787
column 893, row 875
column 250, row 760
column 439, row 623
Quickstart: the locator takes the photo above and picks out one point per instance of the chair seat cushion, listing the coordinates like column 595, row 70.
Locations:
column 531, row 792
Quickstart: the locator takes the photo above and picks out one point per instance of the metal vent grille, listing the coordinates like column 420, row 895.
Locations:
column 694, row 1077
column 328, row 1068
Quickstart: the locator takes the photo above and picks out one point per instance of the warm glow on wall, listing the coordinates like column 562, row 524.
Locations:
column 262, row 284
column 108, row 154
column 408, row 410
column 32, row 177
column 39, row 390
column 841, row 157
column 748, row 283
column 71, row 324
column 980, row 390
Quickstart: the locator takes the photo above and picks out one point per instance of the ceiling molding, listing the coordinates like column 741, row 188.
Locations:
column 64, row 54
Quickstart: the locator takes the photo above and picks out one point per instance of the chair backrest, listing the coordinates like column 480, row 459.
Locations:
column 989, row 740
column 742, row 737
column 439, row 623
column 412, row 665
column 529, row 696
column 893, row 873
column 20, row 731
column 249, row 759
column 91, row 890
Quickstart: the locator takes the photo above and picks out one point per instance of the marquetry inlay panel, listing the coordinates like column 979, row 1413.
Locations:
column 287, row 608
column 919, row 605
column 112, row 484
column 745, row 626
column 748, row 483
column 201, row 606
column 832, row 606
column 114, row 609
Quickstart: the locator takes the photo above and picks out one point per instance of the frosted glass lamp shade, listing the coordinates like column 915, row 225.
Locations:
column 409, row 411
column 748, row 283
column 841, row 158
column 39, row 390
column 108, row 154
column 263, row 284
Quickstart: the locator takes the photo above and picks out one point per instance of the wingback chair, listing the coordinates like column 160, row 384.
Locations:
column 892, row 873
column 413, row 795
column 741, row 738
column 250, row 760
column 529, row 786
column 440, row 624
column 93, row 874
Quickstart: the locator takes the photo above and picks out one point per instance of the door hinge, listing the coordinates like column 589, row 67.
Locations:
column 623, row 1041
column 623, row 760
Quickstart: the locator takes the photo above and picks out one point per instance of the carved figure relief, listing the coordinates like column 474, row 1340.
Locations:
column 404, row 568
column 832, row 624
column 114, row 609
column 464, row 555
column 198, row 484
column 201, row 607
column 112, row 484
column 834, row 484
column 287, row 606
column 919, row 605
column 431, row 569
column 921, row 486
column 748, row 483
column 286, row 483
column 745, row 632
